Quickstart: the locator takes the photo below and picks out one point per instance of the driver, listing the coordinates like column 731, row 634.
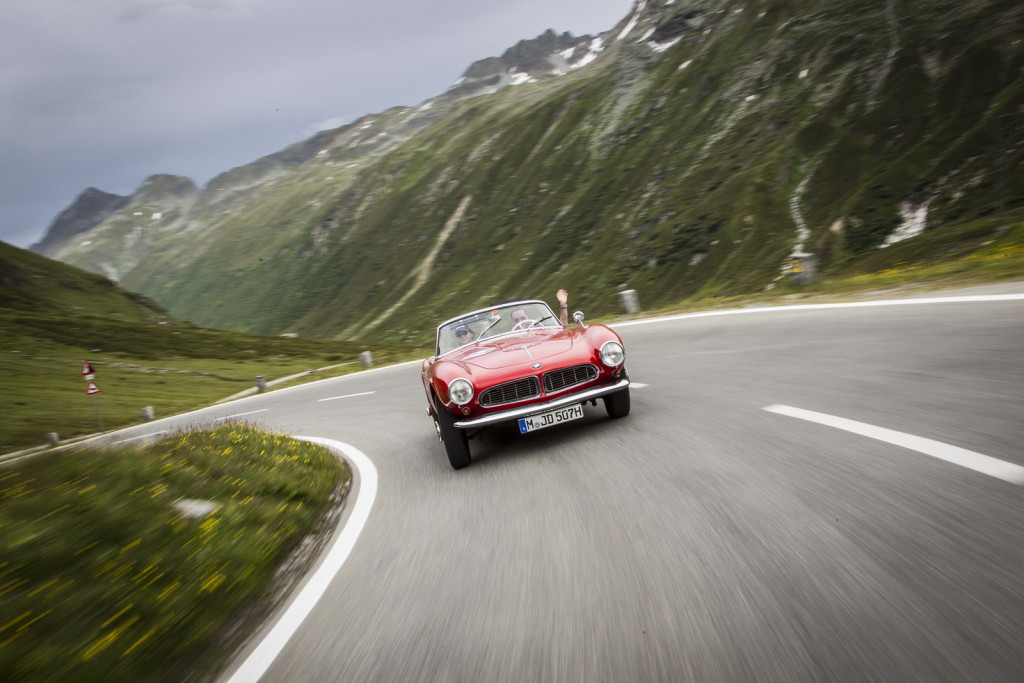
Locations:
column 464, row 335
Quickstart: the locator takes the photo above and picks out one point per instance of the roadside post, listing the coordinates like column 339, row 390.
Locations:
column 802, row 267
column 91, row 389
column 366, row 358
column 630, row 301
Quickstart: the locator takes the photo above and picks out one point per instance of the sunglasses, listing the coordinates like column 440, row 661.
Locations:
column 463, row 333
column 519, row 320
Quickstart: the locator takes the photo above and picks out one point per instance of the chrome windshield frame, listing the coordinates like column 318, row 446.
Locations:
column 479, row 312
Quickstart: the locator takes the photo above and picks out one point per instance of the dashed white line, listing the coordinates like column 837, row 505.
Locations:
column 335, row 398
column 257, row 663
column 978, row 462
column 251, row 412
column 136, row 438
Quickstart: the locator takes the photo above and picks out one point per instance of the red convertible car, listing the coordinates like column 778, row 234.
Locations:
column 515, row 362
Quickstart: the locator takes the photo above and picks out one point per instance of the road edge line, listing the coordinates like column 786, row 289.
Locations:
column 270, row 646
column 975, row 298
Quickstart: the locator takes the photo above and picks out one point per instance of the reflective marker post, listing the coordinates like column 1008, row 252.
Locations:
column 99, row 418
column 801, row 268
column 630, row 301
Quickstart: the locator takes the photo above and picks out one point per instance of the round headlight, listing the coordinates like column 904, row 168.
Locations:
column 461, row 391
column 612, row 354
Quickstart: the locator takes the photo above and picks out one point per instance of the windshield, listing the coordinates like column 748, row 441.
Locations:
column 491, row 322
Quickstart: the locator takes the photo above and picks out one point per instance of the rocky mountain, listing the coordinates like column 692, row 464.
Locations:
column 689, row 151
column 89, row 209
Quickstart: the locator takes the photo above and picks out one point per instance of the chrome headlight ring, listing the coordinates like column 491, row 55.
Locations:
column 612, row 354
column 460, row 391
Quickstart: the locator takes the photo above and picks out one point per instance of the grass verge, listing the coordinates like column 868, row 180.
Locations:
column 104, row 578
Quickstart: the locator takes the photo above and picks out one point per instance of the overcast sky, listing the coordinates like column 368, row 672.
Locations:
column 103, row 93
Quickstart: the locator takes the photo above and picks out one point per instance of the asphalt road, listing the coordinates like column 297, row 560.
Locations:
column 702, row 537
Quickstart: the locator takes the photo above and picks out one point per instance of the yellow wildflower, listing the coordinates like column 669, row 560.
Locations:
column 107, row 640
column 211, row 584
column 138, row 642
column 128, row 547
column 167, row 591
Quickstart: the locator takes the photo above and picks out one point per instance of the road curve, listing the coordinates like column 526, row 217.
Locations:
column 703, row 537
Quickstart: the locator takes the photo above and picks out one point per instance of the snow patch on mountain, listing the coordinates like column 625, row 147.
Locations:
column 632, row 20
column 915, row 220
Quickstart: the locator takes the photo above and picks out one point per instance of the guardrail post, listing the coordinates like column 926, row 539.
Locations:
column 801, row 268
column 630, row 301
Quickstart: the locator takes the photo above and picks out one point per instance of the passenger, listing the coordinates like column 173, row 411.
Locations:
column 519, row 315
column 563, row 301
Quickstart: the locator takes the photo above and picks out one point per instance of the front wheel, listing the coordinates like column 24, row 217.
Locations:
column 455, row 441
column 617, row 404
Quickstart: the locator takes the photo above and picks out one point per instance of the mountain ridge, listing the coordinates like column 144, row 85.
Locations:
column 89, row 209
column 527, row 61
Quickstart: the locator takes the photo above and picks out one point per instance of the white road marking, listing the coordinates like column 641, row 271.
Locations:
column 270, row 647
column 335, row 398
column 985, row 464
column 638, row 385
column 136, row 438
column 979, row 298
column 251, row 412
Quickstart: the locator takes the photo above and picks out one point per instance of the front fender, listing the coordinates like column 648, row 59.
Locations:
column 439, row 375
column 596, row 335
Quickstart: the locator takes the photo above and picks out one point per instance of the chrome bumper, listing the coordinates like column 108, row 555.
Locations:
column 535, row 408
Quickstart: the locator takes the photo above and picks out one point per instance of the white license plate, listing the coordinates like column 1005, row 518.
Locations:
column 552, row 417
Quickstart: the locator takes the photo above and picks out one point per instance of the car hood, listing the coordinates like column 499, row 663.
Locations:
column 518, row 349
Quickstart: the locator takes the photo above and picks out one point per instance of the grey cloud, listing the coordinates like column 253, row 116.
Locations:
column 140, row 10
column 106, row 92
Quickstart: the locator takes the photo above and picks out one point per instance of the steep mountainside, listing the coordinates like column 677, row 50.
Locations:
column 690, row 151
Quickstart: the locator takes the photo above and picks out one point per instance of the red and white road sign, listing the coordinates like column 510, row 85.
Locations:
column 91, row 389
column 87, row 368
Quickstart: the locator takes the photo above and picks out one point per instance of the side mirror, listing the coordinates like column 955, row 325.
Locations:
column 578, row 317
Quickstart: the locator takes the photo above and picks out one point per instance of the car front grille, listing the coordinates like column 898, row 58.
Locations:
column 557, row 380
column 510, row 392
